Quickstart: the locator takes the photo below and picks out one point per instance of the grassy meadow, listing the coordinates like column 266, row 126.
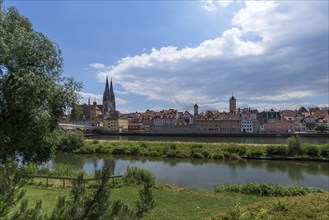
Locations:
column 173, row 202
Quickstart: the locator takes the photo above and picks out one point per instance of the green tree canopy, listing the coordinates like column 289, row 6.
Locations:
column 33, row 94
column 321, row 127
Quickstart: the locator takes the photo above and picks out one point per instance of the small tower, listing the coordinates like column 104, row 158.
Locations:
column 232, row 104
column 196, row 109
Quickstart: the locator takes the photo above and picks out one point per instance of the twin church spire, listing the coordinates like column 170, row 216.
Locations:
column 108, row 98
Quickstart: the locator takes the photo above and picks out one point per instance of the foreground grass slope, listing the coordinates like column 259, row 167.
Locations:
column 173, row 202
column 313, row 206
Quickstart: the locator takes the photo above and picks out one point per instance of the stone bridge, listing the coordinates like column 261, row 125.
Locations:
column 83, row 128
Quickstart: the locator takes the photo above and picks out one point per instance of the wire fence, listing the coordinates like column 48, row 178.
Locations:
column 51, row 180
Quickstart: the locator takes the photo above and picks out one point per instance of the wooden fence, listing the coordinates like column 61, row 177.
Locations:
column 63, row 179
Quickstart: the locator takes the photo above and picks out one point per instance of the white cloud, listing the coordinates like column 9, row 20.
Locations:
column 284, row 106
column 274, row 51
column 98, row 66
column 212, row 5
column 286, row 96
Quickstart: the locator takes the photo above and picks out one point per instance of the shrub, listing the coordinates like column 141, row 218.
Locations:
column 310, row 149
column 138, row 175
column 267, row 189
column 143, row 145
column 134, row 150
column 119, row 150
column 236, row 149
column 70, row 141
column 280, row 206
column 255, row 151
column 218, row 155
column 95, row 141
column 280, row 150
column 324, row 150
column 294, row 145
column 198, row 155
column 173, row 146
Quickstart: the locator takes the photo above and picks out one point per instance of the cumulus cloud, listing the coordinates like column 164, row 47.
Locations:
column 212, row 5
column 97, row 66
column 274, row 51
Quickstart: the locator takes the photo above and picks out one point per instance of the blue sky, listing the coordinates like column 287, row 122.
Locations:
column 172, row 54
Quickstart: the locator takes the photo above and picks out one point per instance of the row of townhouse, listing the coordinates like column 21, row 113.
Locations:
column 238, row 120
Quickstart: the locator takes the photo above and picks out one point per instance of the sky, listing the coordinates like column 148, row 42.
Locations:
column 173, row 54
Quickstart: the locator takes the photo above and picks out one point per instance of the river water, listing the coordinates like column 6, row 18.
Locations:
column 206, row 174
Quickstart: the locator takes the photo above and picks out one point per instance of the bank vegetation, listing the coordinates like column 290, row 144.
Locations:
column 294, row 149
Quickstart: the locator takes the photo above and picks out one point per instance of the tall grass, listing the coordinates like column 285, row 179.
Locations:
column 204, row 150
column 138, row 175
column 267, row 189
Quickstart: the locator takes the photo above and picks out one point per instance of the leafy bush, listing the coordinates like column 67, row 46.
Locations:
column 255, row 151
column 294, row 145
column 236, row 149
column 119, row 150
column 198, row 155
column 95, row 141
column 324, row 150
column 138, row 175
column 280, row 150
column 310, row 149
column 173, row 146
column 267, row 189
column 218, row 155
column 280, row 206
column 70, row 141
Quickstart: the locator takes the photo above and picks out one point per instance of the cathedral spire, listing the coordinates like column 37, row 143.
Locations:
column 108, row 98
column 107, row 85
column 111, row 92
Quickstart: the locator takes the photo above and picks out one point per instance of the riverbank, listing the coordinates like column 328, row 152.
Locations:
column 103, row 132
column 173, row 202
column 312, row 152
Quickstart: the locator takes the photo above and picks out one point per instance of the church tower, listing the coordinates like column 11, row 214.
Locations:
column 232, row 104
column 196, row 109
column 108, row 98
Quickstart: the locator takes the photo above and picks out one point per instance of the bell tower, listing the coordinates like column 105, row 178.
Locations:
column 232, row 104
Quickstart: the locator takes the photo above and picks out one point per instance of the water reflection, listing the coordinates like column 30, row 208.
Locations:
column 195, row 173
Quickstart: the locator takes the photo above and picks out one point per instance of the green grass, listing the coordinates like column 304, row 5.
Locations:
column 261, row 189
column 313, row 206
column 201, row 150
column 171, row 202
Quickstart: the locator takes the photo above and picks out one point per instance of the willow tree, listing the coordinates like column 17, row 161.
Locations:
column 33, row 93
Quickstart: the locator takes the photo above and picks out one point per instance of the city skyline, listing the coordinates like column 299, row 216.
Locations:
column 163, row 55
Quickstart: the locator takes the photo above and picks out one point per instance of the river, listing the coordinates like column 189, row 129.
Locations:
column 206, row 174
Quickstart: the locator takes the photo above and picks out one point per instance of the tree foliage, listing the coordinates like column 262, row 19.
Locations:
column 294, row 145
column 96, row 204
column 321, row 128
column 12, row 193
column 33, row 94
column 92, row 202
